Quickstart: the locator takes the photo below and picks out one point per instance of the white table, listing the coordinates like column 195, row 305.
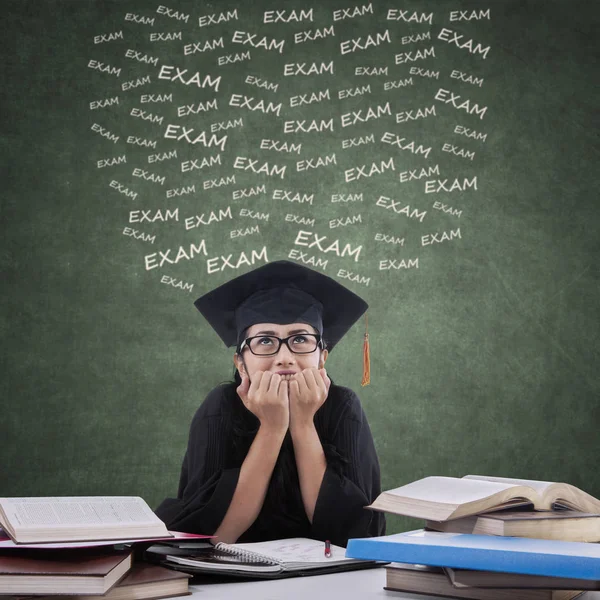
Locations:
column 349, row 585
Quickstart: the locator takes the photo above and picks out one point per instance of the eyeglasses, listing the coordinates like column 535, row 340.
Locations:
column 267, row 345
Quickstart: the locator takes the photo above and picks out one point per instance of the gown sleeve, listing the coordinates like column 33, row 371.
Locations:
column 352, row 477
column 205, row 486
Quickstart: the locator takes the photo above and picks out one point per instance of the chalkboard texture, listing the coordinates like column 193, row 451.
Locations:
column 438, row 158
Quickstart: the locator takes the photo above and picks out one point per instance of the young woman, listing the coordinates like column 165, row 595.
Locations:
column 282, row 451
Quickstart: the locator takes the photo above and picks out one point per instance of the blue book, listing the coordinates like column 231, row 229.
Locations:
column 482, row 552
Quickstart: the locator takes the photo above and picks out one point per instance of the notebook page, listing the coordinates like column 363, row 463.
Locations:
column 296, row 552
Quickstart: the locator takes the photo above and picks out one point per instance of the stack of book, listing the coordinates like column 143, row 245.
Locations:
column 489, row 537
column 83, row 547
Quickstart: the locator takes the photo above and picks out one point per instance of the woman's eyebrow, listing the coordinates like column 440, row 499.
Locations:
column 289, row 332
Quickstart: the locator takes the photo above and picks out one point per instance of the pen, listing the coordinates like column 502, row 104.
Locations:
column 327, row 549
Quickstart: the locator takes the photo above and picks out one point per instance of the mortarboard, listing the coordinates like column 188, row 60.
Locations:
column 283, row 292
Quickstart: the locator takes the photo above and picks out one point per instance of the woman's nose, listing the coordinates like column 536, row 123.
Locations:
column 285, row 354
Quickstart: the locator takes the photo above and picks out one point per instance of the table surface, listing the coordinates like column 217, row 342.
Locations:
column 348, row 585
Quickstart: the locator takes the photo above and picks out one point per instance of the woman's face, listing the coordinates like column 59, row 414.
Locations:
column 285, row 361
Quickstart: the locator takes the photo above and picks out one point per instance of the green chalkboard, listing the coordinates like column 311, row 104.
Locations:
column 438, row 158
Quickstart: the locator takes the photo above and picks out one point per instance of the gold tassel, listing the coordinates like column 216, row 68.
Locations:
column 366, row 378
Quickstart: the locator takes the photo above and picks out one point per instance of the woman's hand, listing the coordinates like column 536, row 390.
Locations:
column 308, row 392
column 267, row 398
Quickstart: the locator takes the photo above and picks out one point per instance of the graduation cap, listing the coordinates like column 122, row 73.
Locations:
column 284, row 292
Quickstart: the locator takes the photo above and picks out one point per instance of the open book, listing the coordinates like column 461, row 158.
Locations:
column 271, row 558
column 66, row 519
column 444, row 498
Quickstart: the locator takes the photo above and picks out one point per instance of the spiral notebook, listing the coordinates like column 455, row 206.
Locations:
column 267, row 559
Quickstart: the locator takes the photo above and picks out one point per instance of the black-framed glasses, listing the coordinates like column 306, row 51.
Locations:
column 267, row 345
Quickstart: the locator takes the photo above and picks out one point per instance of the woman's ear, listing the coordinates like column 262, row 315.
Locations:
column 323, row 358
column 237, row 361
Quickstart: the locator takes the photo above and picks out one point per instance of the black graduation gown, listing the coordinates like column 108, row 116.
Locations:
column 210, row 471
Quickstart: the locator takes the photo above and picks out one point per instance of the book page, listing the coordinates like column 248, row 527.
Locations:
column 539, row 486
column 450, row 490
column 62, row 512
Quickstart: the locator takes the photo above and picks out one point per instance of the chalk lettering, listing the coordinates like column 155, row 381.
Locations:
column 129, row 85
column 447, row 97
column 389, row 203
column 243, row 37
column 351, row 13
column 388, row 264
column 179, row 132
column 250, row 104
column 213, row 217
column 177, row 283
column 206, row 46
column 434, row 238
column 111, row 162
column 462, row 152
column 249, row 192
column 292, row 69
column 152, row 262
column 243, row 232
column 313, row 34
column 357, row 173
column 104, row 103
column 302, row 257
column 147, row 176
column 139, row 235
column 194, row 109
column 447, row 209
column 356, row 44
column 291, row 196
column 122, row 189
column 445, row 34
column 135, row 18
column 405, row 57
column 173, row 14
column 275, row 16
column 109, row 37
column 105, row 133
column 280, row 146
column 98, row 66
column 135, row 55
column 303, row 239
column 229, row 59
column 311, row 163
column 166, row 72
column 247, row 164
column 143, row 216
column 214, row 19
column 412, row 115
column 261, row 83
column 403, row 144
column 343, row 274
column 440, row 185
column 200, row 163
column 414, row 17
column 212, row 263
column 467, row 79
